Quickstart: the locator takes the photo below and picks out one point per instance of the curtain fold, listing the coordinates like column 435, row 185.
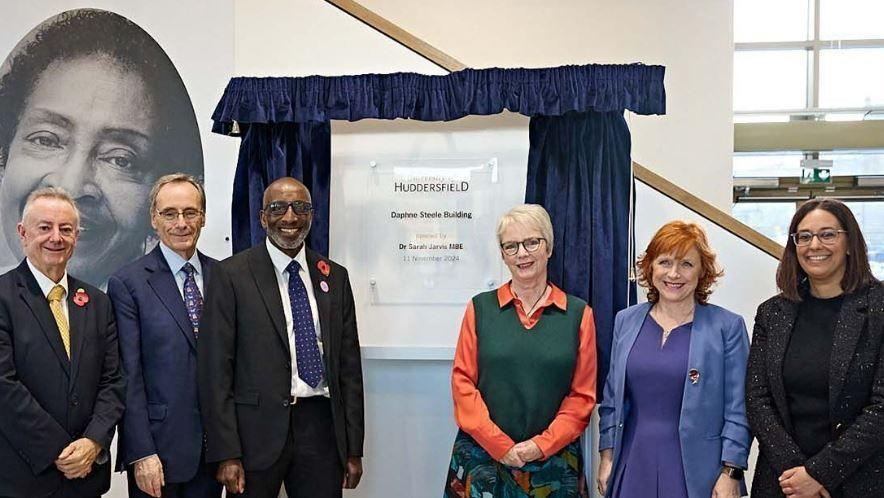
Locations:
column 579, row 169
column 268, row 152
column 532, row 92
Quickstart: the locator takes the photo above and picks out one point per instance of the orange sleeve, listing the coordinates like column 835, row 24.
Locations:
column 470, row 411
column 576, row 408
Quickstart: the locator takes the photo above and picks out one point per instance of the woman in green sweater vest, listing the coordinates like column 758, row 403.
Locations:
column 524, row 375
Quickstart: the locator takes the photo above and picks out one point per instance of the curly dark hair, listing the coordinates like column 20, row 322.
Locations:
column 86, row 32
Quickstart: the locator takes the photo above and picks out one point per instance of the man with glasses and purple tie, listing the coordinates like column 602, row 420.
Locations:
column 280, row 373
column 158, row 302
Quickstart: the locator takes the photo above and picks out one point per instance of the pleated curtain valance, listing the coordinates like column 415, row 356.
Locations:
column 532, row 92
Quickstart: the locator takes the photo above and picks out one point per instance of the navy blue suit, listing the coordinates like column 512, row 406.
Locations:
column 158, row 351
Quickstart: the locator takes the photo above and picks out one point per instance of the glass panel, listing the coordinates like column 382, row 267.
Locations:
column 852, row 77
column 765, row 21
column 856, row 162
column 770, row 80
column 767, row 165
column 870, row 216
column 770, row 218
column 851, row 19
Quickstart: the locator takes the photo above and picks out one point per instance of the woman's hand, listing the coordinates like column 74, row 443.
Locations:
column 606, row 461
column 726, row 487
column 528, row 451
column 797, row 483
column 512, row 458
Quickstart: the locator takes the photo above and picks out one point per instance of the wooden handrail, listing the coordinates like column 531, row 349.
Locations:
column 642, row 174
column 706, row 210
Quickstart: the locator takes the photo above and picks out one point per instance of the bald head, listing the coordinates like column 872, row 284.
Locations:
column 283, row 187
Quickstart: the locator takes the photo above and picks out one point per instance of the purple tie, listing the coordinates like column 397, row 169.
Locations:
column 193, row 300
column 306, row 346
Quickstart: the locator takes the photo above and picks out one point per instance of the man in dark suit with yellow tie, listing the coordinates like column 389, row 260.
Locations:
column 280, row 377
column 60, row 383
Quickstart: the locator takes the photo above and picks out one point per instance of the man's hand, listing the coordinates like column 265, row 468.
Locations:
column 606, row 462
column 512, row 458
column 528, row 451
column 149, row 475
column 726, row 487
column 353, row 472
column 76, row 459
column 797, row 483
column 232, row 476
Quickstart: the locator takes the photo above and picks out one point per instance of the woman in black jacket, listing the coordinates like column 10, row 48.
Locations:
column 815, row 381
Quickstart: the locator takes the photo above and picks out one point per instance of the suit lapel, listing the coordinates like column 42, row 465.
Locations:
column 163, row 284
column 323, row 300
column 265, row 279
column 33, row 297
column 77, row 318
column 781, row 325
column 848, row 328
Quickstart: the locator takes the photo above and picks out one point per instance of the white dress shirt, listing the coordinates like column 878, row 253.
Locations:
column 46, row 284
column 176, row 264
column 280, row 261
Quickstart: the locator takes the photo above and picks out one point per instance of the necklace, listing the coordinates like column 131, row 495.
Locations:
column 665, row 322
column 530, row 310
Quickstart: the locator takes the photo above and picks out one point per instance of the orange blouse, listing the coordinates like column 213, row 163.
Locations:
column 470, row 411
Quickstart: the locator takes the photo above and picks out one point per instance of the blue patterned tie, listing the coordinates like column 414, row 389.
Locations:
column 193, row 300
column 306, row 347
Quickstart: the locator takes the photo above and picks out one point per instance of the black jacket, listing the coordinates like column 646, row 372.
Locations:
column 852, row 463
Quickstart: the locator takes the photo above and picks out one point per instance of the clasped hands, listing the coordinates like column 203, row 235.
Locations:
column 522, row 453
column 76, row 459
column 797, row 483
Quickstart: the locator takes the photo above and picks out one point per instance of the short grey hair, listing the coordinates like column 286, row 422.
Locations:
column 531, row 216
column 49, row 193
column 176, row 178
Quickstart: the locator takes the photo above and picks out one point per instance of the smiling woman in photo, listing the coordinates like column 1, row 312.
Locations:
column 90, row 102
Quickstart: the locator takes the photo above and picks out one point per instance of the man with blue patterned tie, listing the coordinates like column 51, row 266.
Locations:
column 158, row 304
column 280, row 375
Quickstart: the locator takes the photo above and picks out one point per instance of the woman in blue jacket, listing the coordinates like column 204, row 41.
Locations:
column 673, row 419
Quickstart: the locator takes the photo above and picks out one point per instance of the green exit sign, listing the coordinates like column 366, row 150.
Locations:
column 816, row 175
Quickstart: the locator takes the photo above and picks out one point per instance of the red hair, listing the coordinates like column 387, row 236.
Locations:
column 677, row 238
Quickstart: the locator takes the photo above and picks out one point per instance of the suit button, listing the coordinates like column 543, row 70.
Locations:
column 75, row 400
column 285, row 404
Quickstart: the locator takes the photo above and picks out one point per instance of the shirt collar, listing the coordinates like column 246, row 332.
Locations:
column 176, row 262
column 556, row 297
column 281, row 260
column 46, row 284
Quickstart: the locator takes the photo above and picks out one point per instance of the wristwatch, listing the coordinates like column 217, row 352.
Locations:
column 732, row 472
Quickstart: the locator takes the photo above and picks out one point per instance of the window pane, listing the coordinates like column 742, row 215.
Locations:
column 852, row 77
column 770, row 218
column 856, row 163
column 870, row 216
column 764, row 21
column 770, row 80
column 767, row 165
column 851, row 19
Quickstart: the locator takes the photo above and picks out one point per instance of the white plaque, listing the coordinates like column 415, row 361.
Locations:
column 429, row 230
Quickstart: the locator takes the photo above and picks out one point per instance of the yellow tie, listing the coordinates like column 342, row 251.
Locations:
column 55, row 297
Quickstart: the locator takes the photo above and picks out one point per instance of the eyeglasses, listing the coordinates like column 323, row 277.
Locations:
column 279, row 208
column 171, row 215
column 531, row 244
column 827, row 236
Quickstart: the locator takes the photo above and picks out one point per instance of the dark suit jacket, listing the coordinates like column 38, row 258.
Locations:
column 46, row 400
column 245, row 366
column 852, row 464
column 158, row 351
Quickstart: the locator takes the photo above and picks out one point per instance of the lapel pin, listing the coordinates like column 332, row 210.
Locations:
column 81, row 298
column 694, row 375
column 324, row 286
column 324, row 269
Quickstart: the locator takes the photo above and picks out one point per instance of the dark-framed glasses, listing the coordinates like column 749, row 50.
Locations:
column 531, row 244
column 827, row 236
column 279, row 208
column 171, row 215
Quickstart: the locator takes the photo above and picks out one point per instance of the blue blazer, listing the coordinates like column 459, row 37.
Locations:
column 712, row 426
column 158, row 352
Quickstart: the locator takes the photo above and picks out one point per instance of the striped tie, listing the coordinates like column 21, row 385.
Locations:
column 55, row 297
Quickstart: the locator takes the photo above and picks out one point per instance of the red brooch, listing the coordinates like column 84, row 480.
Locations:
column 81, row 298
column 323, row 267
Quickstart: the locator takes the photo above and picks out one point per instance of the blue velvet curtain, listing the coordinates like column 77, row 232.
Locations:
column 579, row 169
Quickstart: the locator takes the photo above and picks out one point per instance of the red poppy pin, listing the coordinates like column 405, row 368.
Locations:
column 323, row 267
column 694, row 375
column 81, row 298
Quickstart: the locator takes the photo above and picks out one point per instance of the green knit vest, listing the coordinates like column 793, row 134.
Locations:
column 525, row 374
